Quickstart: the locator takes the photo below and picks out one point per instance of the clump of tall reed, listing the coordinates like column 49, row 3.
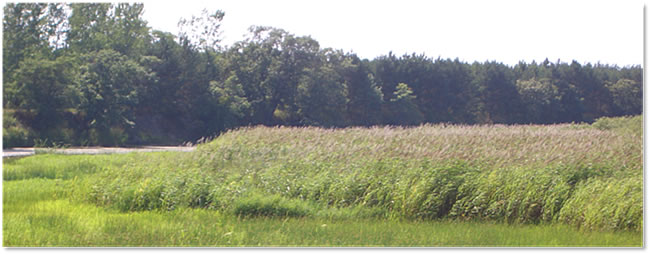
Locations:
column 524, row 174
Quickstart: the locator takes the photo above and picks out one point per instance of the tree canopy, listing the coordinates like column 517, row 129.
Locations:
column 95, row 73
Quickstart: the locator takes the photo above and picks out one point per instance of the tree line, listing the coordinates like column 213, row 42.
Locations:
column 96, row 74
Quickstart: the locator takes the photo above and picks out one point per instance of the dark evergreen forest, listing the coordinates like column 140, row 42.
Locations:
column 96, row 74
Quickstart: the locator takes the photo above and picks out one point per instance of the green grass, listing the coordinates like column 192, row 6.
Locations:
column 36, row 217
column 560, row 185
column 626, row 125
column 52, row 166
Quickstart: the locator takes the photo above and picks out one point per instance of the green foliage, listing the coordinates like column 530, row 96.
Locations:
column 441, row 86
column 429, row 193
column 14, row 134
column 324, row 173
column 612, row 203
column 187, row 101
column 100, row 26
column 401, row 109
column 36, row 213
column 51, row 166
column 269, row 206
column 496, row 94
column 520, row 195
column 321, row 98
column 364, row 107
column 44, row 87
column 231, row 94
column 542, row 100
column 381, row 177
column 96, row 74
column 109, row 88
column 28, row 30
column 626, row 96
column 627, row 125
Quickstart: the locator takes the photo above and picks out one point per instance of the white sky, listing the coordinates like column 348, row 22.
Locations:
column 507, row 31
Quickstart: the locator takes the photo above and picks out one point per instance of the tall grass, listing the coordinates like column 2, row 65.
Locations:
column 37, row 213
column 581, row 175
column 491, row 145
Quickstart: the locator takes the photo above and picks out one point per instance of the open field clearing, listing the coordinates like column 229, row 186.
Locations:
column 432, row 185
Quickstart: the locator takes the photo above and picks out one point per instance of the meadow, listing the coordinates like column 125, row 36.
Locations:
column 432, row 185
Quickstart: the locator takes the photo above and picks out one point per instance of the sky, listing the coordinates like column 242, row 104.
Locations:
column 609, row 32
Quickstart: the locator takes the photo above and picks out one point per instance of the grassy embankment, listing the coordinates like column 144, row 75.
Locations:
column 560, row 185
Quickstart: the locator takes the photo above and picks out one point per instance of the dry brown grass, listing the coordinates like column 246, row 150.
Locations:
column 495, row 145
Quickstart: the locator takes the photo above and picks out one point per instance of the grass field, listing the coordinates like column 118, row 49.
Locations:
column 433, row 185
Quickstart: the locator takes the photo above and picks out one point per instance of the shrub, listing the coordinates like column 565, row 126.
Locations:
column 627, row 124
column 256, row 204
column 14, row 134
column 113, row 136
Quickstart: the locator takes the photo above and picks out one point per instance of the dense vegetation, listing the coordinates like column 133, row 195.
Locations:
column 567, row 183
column 97, row 74
column 527, row 174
